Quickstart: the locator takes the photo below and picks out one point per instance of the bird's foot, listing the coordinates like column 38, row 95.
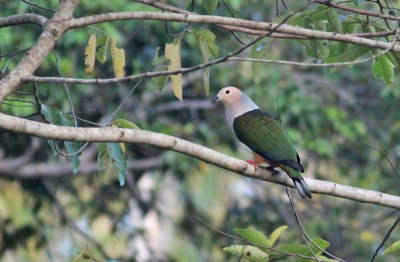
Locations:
column 252, row 162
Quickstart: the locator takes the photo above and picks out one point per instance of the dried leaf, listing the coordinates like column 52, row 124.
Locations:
column 173, row 54
column 90, row 54
column 118, row 57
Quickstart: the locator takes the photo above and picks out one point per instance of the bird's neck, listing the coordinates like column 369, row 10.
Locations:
column 233, row 110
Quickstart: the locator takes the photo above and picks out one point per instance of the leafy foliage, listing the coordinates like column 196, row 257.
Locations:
column 328, row 112
column 111, row 159
column 393, row 249
column 383, row 68
column 208, row 47
column 210, row 5
column 261, row 251
column 56, row 117
column 102, row 48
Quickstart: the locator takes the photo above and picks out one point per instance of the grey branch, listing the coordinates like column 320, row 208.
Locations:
column 23, row 19
column 63, row 169
column 192, row 18
column 205, row 154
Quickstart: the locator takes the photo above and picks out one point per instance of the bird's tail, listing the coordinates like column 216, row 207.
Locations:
column 298, row 181
column 302, row 187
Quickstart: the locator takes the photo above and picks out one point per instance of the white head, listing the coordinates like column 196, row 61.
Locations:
column 235, row 101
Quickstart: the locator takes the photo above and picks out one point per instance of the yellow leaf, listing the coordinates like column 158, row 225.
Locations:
column 173, row 54
column 90, row 54
column 118, row 57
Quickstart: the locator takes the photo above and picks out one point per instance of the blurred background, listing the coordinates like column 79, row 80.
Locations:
column 333, row 116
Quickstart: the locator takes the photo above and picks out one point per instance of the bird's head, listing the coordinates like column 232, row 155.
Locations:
column 228, row 95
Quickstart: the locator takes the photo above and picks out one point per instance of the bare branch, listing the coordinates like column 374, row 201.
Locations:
column 354, row 10
column 53, row 30
column 173, row 9
column 22, row 19
column 38, row 6
column 56, row 170
column 286, row 29
column 109, row 134
column 384, row 239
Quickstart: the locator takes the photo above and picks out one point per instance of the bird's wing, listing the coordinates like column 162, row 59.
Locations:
column 266, row 137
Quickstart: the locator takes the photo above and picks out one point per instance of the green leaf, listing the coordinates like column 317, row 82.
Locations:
column 206, row 40
column 275, row 235
column 322, row 244
column 210, row 6
column 352, row 52
column 160, row 81
column 383, row 68
column 102, row 48
column 322, row 48
column 303, row 250
column 53, row 116
column 205, row 53
column 209, row 37
column 258, row 52
column 158, row 59
column 295, row 249
column 394, row 248
column 334, row 20
column 103, row 160
column 325, row 259
column 394, row 58
column 111, row 159
column 123, row 123
column 249, row 252
column 253, row 236
column 118, row 160
column 71, row 146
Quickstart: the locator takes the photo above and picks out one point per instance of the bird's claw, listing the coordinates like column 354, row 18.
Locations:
column 253, row 163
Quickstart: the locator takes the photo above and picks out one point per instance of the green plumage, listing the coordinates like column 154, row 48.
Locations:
column 266, row 137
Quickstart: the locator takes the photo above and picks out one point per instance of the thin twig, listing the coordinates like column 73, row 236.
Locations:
column 122, row 103
column 71, row 222
column 299, row 225
column 227, row 6
column 301, row 228
column 14, row 53
column 39, row 6
column 385, row 156
column 355, row 10
column 384, row 239
column 67, row 90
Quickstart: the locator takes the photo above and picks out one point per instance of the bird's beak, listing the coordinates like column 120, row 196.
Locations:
column 215, row 100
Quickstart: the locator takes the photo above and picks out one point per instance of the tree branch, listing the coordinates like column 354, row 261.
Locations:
column 53, row 30
column 57, row 170
column 109, row 134
column 354, row 10
column 191, row 18
column 23, row 19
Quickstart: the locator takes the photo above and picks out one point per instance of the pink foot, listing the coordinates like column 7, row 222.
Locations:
column 252, row 162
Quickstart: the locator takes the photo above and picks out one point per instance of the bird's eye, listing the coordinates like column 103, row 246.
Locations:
column 227, row 91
